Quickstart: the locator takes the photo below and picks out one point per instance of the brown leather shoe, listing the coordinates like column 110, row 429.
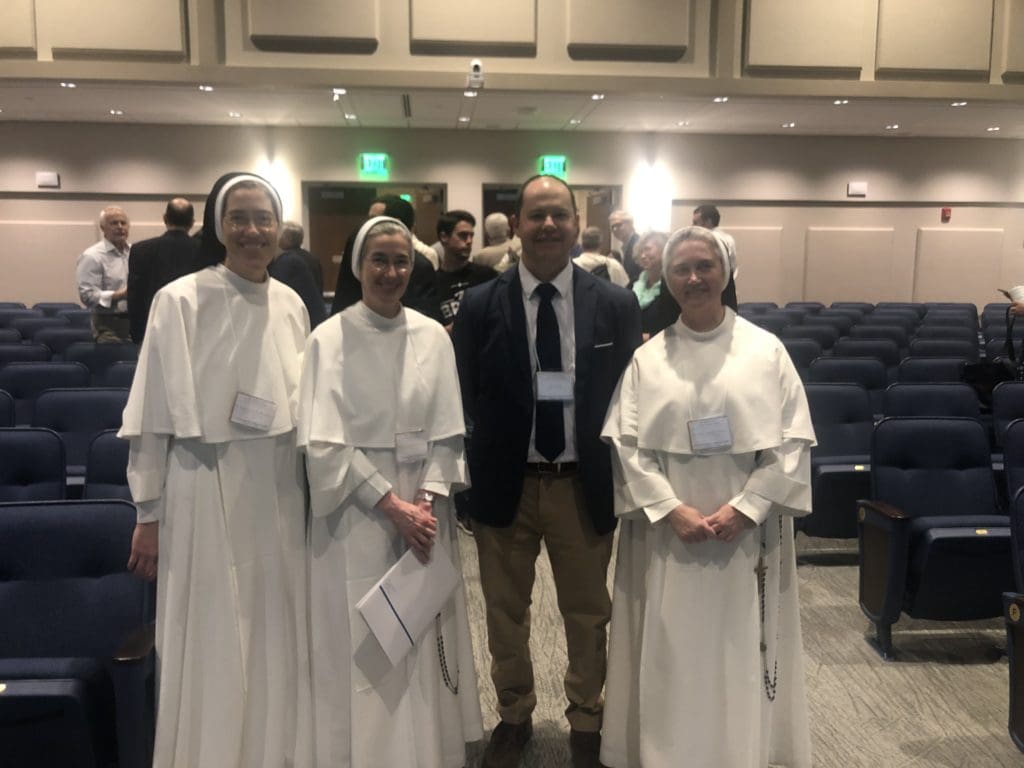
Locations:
column 585, row 747
column 506, row 745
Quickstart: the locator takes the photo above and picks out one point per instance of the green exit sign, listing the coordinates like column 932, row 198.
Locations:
column 554, row 165
column 374, row 165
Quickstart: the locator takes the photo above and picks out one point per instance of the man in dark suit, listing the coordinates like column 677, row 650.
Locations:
column 540, row 350
column 154, row 263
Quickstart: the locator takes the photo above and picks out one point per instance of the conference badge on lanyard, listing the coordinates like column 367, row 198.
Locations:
column 253, row 412
column 554, row 385
column 712, row 435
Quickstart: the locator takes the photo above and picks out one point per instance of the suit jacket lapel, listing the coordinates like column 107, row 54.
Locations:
column 584, row 300
column 514, row 316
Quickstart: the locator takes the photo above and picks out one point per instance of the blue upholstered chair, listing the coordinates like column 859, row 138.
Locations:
column 1013, row 613
column 1013, row 457
column 1007, row 406
column 966, row 350
column 59, row 339
column 9, row 314
column 934, row 369
column 51, row 308
column 906, row 318
column 75, row 650
column 823, row 334
column 25, row 382
column 917, row 308
column 810, row 307
column 120, row 374
column 895, row 333
column 6, row 409
column 31, row 465
column 869, row 372
column 802, row 352
column 106, row 468
column 932, row 399
column 840, row 462
column 77, row 318
column 99, row 357
column 78, row 415
column 9, row 336
column 958, row 332
column 17, row 352
column 840, row 319
column 862, row 307
column 27, row 326
column 932, row 541
column 756, row 307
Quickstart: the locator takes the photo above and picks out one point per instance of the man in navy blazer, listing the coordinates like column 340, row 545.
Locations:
column 535, row 400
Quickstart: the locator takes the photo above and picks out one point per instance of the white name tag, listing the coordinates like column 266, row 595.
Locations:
column 253, row 412
column 411, row 446
column 711, row 435
column 554, row 385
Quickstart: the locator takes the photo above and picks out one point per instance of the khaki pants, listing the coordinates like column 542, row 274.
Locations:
column 552, row 509
column 109, row 328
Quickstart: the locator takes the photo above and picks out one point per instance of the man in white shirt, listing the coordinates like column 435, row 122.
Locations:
column 597, row 264
column 102, row 275
column 503, row 251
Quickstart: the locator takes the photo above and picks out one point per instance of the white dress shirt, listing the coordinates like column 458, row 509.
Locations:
column 101, row 271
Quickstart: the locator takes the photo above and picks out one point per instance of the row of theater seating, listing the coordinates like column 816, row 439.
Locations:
column 96, row 357
column 38, row 463
column 22, row 384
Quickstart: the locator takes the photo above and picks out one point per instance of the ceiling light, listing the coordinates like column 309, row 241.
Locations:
column 575, row 121
column 349, row 116
column 597, row 96
column 470, row 94
column 841, row 102
column 892, row 126
column 463, row 119
column 234, row 114
column 958, row 104
column 68, row 85
column 721, row 99
column 206, row 88
column 789, row 125
column 117, row 112
column 683, row 123
column 339, row 91
column 992, row 128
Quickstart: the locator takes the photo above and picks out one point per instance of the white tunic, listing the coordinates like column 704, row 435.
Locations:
column 365, row 379
column 231, row 639
column 687, row 682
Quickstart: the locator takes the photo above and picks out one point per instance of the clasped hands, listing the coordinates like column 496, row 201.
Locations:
column 415, row 522
column 724, row 525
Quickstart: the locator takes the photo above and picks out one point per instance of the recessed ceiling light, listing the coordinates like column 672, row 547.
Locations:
column 349, row 116
column 597, row 96
column 892, row 126
column 68, row 85
column 958, row 104
column 463, row 119
column 575, row 121
column 117, row 112
column 841, row 102
column 470, row 94
column 992, row 128
column 339, row 91
column 234, row 114
column 206, row 88
column 683, row 123
column 721, row 99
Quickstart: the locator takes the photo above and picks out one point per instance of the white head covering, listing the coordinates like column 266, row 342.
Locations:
column 700, row 234
column 357, row 245
column 222, row 198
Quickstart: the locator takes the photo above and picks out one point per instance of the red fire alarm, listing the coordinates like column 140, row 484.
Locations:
column 947, row 214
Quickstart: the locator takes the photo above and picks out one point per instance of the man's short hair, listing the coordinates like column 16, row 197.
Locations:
column 446, row 223
column 591, row 239
column 620, row 215
column 111, row 209
column 398, row 208
column 178, row 215
column 496, row 226
column 292, row 235
column 519, row 195
column 709, row 214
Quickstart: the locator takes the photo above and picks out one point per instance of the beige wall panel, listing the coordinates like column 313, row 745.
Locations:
column 481, row 27
column 848, row 264
column 953, row 36
column 970, row 259
column 314, row 26
column 138, row 28
column 17, row 26
column 805, row 33
column 761, row 267
column 656, row 30
column 1015, row 41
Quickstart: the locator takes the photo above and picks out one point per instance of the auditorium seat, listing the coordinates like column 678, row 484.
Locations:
column 863, row 307
column 31, row 466
column 904, row 318
column 965, row 350
column 120, row 374
column 78, row 318
column 9, row 336
column 924, row 369
column 913, row 306
column 77, row 664
column 932, row 399
column 11, row 305
column 882, row 349
column 995, row 348
column 994, row 312
column 1013, row 611
column 998, row 331
column 811, row 307
column 955, row 317
column 946, row 332
column 840, row 462
column 12, row 313
column 823, row 334
column 59, row 339
column 6, row 409
column 843, row 320
column 869, row 372
column 25, row 382
column 772, row 323
column 802, row 352
column 932, row 541
column 106, row 468
column 99, row 357
column 23, row 353
column 78, row 415
column 895, row 333
column 1013, row 457
column 51, row 308
column 27, row 326
column 756, row 307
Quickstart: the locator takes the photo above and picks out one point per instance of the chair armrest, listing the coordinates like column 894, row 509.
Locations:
column 883, row 532
column 882, row 508
column 139, row 643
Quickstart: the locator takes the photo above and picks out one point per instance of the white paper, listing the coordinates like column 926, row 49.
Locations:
column 711, row 435
column 402, row 605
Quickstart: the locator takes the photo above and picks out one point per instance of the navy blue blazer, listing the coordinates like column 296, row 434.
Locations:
column 493, row 356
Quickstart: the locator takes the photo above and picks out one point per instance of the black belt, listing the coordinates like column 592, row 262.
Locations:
column 558, row 468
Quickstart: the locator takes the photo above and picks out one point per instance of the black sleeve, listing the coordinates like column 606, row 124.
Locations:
column 347, row 291
column 421, row 294
column 291, row 269
column 464, row 339
column 139, row 298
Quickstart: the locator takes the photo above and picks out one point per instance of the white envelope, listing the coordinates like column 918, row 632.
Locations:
column 402, row 605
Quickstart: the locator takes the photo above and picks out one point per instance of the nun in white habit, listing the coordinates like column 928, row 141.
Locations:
column 380, row 420
column 217, row 480
column 711, row 435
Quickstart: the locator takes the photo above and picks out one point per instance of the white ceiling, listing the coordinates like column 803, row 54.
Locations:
column 504, row 110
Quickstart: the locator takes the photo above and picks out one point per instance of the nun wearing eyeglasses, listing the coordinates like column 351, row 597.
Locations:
column 217, row 480
column 711, row 437
column 380, row 420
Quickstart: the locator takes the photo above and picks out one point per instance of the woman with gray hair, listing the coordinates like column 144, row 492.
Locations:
column 380, row 421
column 711, row 440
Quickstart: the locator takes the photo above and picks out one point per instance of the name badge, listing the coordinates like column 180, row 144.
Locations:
column 554, row 385
column 411, row 447
column 253, row 412
column 711, row 435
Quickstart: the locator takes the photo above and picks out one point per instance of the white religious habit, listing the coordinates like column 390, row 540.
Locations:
column 380, row 410
column 705, row 666
column 211, row 419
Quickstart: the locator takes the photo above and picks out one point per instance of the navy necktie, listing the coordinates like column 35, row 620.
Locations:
column 549, row 436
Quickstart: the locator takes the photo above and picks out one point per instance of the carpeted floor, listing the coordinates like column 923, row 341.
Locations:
column 941, row 704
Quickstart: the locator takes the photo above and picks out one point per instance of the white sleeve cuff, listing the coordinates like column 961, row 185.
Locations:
column 105, row 298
